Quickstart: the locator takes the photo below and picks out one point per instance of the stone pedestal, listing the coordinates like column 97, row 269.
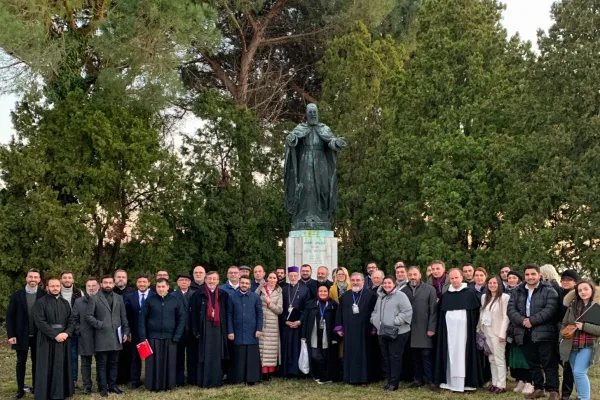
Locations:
column 314, row 247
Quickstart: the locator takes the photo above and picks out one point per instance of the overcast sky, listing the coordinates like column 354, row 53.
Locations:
column 523, row 16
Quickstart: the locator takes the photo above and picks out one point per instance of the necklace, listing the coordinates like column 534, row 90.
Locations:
column 290, row 307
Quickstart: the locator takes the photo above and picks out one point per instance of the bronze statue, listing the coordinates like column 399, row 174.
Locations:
column 310, row 179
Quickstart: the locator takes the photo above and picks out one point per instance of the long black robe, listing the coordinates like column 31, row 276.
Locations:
column 161, row 373
column 464, row 299
column 297, row 296
column 212, row 340
column 330, row 356
column 54, row 379
column 358, row 354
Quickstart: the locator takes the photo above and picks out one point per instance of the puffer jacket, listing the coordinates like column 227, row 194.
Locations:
column 544, row 308
column 393, row 309
column 270, row 351
column 567, row 344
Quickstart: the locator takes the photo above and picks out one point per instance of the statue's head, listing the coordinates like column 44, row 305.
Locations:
column 312, row 114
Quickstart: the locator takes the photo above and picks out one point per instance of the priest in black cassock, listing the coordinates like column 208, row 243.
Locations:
column 208, row 322
column 307, row 280
column 295, row 297
column 55, row 325
column 353, row 324
column 458, row 365
column 162, row 322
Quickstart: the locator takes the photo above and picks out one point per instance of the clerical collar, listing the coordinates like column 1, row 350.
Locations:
column 453, row 289
column 27, row 290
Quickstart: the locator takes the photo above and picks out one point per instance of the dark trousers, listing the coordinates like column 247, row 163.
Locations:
column 22, row 364
column 423, row 363
column 74, row 356
column 391, row 354
column 136, row 365
column 107, row 363
column 86, row 372
column 187, row 359
column 542, row 358
column 568, row 380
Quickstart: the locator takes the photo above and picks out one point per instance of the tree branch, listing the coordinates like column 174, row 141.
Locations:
column 221, row 74
column 12, row 64
column 289, row 38
column 272, row 12
column 302, row 93
column 237, row 25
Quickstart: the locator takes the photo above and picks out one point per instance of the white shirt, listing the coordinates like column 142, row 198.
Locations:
column 528, row 302
column 140, row 294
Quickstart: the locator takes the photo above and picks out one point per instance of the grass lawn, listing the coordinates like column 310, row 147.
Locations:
column 275, row 389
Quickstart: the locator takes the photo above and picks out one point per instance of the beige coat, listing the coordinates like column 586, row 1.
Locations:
column 270, row 349
column 499, row 316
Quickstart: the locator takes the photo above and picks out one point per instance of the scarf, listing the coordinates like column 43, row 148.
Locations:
column 213, row 311
column 438, row 283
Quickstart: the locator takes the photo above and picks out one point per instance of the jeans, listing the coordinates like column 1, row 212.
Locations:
column 423, row 362
column 542, row 358
column 391, row 354
column 74, row 356
column 580, row 362
column 106, row 369
column 22, row 365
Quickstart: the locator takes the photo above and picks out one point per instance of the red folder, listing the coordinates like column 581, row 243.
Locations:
column 144, row 349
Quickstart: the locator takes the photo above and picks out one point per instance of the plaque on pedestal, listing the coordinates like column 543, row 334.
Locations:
column 314, row 247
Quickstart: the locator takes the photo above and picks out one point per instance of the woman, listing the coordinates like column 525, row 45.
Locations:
column 479, row 278
column 550, row 275
column 493, row 322
column 318, row 322
column 340, row 285
column 392, row 310
column 272, row 306
column 519, row 369
column 583, row 349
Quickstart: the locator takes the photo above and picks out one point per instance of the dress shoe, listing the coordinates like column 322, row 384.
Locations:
column 19, row 395
column 87, row 390
column 554, row 396
column 115, row 390
column 537, row 394
column 390, row 388
column 103, row 393
column 75, row 386
column 492, row 389
column 499, row 390
column 415, row 384
column 433, row 387
column 134, row 385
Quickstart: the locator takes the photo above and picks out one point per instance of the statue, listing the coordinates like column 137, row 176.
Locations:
column 310, row 173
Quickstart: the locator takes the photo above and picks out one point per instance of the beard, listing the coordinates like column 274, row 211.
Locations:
column 106, row 290
column 356, row 289
column 121, row 285
column 414, row 283
column 91, row 293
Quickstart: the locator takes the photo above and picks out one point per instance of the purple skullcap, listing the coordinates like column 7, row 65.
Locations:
column 293, row 269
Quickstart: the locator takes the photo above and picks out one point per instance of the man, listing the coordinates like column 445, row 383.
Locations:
column 353, row 324
column 457, row 366
column 371, row 267
column 70, row 293
column 259, row 278
column 438, row 278
column 280, row 272
column 125, row 356
column 233, row 281
column 208, row 320
column 423, row 327
column 323, row 276
column 245, row 271
column 244, row 326
column 199, row 273
column 162, row 322
column 52, row 318
column 568, row 280
column 186, row 346
column 504, row 275
column 306, row 280
column 295, row 296
column 106, row 313
column 20, row 328
column 468, row 272
column 401, row 275
column 377, row 279
column 133, row 306
column 161, row 274
column 85, row 333
column 532, row 309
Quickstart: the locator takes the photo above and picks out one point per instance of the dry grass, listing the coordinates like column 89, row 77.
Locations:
column 275, row 389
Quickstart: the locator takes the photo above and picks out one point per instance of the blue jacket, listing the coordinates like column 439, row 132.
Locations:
column 162, row 318
column 244, row 317
column 133, row 309
column 228, row 288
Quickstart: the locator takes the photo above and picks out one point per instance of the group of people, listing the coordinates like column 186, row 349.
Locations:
column 457, row 330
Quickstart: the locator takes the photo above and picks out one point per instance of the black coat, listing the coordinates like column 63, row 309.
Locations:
column 124, row 292
column 198, row 308
column 17, row 318
column 106, row 321
column 424, row 316
column 312, row 315
column 162, row 318
column 83, row 330
column 544, row 310
column 311, row 284
column 133, row 309
column 186, row 301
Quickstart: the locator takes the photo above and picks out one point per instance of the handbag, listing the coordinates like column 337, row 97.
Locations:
column 389, row 331
column 481, row 344
column 568, row 331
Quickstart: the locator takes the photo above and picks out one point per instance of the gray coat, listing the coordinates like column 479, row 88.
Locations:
column 83, row 330
column 424, row 318
column 106, row 321
column 392, row 309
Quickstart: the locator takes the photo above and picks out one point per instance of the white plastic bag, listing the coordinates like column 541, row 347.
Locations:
column 303, row 362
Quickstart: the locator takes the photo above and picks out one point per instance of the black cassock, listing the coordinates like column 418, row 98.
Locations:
column 464, row 299
column 358, row 353
column 53, row 379
column 297, row 297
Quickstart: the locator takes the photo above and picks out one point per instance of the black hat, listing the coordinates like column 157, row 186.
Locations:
column 517, row 274
column 245, row 268
column 186, row 276
column 570, row 274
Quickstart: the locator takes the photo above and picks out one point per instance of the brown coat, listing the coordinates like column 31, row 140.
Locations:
column 270, row 349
